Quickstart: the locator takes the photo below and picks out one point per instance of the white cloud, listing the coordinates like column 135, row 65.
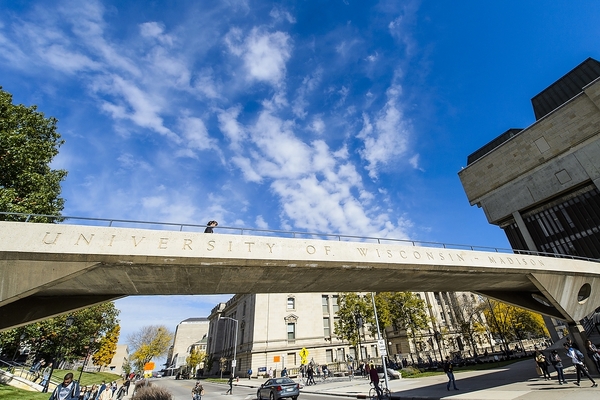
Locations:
column 229, row 125
column 264, row 54
column 195, row 134
column 386, row 137
column 155, row 30
column 279, row 14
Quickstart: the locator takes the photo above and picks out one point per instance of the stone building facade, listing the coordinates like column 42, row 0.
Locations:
column 273, row 328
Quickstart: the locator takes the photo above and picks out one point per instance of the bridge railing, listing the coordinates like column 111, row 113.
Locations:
column 183, row 227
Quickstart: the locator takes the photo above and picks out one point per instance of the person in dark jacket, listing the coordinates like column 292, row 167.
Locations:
column 449, row 370
column 67, row 390
column 210, row 225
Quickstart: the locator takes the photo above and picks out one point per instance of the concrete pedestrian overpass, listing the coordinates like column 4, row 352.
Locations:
column 49, row 269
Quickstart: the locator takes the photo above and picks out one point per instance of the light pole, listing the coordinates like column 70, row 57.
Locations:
column 68, row 323
column 438, row 338
column 92, row 340
column 18, row 346
column 234, row 362
column 359, row 323
column 381, row 348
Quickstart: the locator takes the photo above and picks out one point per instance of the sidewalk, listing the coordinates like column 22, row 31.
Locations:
column 516, row 381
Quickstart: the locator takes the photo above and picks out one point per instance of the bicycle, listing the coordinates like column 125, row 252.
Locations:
column 385, row 394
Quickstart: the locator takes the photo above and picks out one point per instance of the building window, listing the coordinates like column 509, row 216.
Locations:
column 291, row 359
column 329, row 356
column 341, row 355
column 326, row 331
column 325, row 304
column 244, row 312
column 336, row 306
column 291, row 331
column 291, row 303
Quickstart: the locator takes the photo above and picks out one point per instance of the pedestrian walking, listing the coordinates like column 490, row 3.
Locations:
column 67, row 390
column 197, row 391
column 249, row 373
column 230, row 382
column 592, row 353
column 540, row 359
column 311, row 376
column 46, row 374
column 558, row 366
column 577, row 358
column 449, row 370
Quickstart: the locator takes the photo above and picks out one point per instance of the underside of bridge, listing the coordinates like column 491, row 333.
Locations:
column 49, row 269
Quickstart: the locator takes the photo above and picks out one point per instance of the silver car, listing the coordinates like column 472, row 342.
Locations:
column 278, row 388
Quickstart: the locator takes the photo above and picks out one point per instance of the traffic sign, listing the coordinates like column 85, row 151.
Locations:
column 149, row 366
column 303, row 353
column 382, row 347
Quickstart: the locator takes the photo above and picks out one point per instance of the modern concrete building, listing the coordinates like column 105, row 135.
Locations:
column 119, row 360
column 271, row 329
column 541, row 184
column 188, row 334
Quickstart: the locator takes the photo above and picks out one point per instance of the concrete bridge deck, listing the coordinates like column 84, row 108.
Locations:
column 48, row 269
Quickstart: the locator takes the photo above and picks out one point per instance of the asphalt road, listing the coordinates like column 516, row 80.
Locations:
column 182, row 389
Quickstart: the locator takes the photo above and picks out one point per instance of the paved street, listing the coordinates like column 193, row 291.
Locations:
column 517, row 381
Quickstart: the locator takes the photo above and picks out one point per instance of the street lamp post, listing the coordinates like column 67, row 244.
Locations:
column 438, row 338
column 68, row 322
column 18, row 346
column 87, row 356
column 382, row 348
column 359, row 323
column 234, row 362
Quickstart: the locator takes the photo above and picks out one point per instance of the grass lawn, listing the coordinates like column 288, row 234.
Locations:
column 87, row 378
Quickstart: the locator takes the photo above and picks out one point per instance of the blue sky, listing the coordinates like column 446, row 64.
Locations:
column 349, row 117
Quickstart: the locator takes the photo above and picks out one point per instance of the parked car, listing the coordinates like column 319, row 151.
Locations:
column 392, row 373
column 278, row 388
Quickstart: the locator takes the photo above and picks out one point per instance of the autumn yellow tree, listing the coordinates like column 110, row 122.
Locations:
column 195, row 360
column 513, row 323
column 149, row 342
column 108, row 347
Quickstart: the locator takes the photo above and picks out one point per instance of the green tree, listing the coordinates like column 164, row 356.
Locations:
column 52, row 336
column 355, row 313
column 28, row 143
column 108, row 347
column 149, row 342
column 406, row 310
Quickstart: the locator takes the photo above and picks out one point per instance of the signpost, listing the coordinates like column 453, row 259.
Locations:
column 303, row 356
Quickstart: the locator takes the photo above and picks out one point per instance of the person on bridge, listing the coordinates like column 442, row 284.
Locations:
column 449, row 370
column 210, row 225
column 577, row 359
